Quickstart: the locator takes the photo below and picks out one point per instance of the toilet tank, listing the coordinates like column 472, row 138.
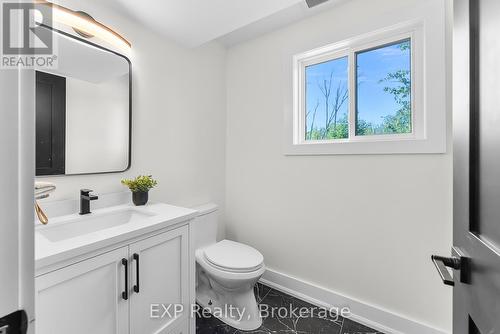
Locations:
column 205, row 225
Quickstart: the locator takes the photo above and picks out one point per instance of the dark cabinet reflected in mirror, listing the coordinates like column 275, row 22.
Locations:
column 83, row 111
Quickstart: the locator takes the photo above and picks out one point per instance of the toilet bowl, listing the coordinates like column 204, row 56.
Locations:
column 226, row 273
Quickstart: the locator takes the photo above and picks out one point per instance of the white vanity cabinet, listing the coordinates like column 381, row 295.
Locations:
column 84, row 297
column 114, row 292
column 162, row 261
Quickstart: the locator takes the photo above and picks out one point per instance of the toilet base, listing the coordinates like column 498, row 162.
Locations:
column 238, row 310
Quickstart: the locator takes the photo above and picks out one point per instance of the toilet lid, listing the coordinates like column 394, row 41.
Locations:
column 234, row 256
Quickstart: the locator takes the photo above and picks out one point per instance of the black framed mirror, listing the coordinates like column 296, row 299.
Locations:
column 83, row 110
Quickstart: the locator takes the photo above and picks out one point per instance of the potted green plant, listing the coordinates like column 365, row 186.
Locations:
column 140, row 187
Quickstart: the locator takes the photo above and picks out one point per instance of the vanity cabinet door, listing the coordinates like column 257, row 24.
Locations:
column 162, row 280
column 84, row 298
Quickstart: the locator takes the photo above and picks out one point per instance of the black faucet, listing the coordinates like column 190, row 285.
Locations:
column 85, row 199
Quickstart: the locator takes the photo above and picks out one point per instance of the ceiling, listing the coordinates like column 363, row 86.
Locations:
column 195, row 22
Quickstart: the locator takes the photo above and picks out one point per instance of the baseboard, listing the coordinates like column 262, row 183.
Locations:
column 368, row 315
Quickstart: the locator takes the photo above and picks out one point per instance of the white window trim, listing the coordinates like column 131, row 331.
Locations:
column 421, row 140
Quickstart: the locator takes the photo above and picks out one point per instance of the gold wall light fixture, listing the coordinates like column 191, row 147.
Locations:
column 85, row 24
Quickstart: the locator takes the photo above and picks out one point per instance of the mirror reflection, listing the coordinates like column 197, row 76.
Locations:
column 83, row 111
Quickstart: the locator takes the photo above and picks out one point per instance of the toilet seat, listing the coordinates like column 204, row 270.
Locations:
column 232, row 256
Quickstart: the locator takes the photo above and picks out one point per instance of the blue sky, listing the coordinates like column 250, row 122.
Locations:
column 373, row 65
column 315, row 75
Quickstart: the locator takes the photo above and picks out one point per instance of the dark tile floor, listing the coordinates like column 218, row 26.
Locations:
column 318, row 323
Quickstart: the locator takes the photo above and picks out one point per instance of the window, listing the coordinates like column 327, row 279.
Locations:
column 327, row 100
column 366, row 95
column 383, row 90
column 381, row 93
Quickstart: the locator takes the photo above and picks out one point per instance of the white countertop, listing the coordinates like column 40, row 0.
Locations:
column 50, row 252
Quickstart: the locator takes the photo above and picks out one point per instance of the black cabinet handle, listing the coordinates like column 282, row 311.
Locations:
column 441, row 263
column 125, row 293
column 136, row 259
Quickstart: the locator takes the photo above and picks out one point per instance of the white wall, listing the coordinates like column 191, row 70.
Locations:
column 178, row 118
column 9, row 224
column 97, row 125
column 17, row 148
column 362, row 226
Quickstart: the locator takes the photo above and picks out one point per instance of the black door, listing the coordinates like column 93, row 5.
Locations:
column 50, row 124
column 476, row 256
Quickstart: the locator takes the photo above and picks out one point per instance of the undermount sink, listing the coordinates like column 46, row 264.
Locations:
column 82, row 225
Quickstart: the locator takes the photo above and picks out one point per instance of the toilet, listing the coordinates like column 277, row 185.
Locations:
column 226, row 273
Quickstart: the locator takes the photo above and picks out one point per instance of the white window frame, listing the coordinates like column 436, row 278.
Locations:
column 418, row 141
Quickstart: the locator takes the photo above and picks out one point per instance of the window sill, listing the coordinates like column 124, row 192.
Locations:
column 402, row 146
